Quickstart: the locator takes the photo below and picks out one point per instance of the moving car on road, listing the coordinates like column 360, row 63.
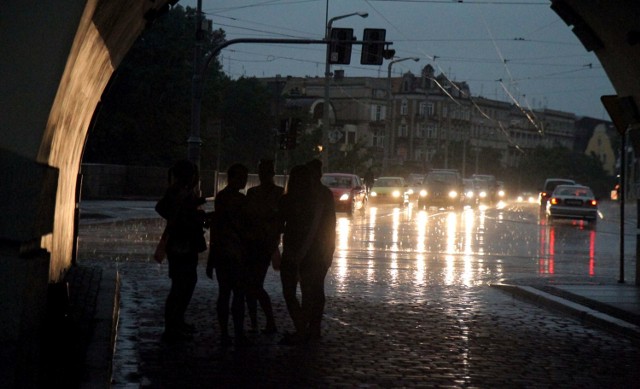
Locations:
column 442, row 188
column 572, row 202
column 414, row 182
column 549, row 185
column 470, row 192
column 389, row 190
column 486, row 188
column 349, row 192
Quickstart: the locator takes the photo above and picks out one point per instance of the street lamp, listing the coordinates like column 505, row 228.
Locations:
column 389, row 124
column 327, row 77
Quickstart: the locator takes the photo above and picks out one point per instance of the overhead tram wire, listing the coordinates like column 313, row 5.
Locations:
column 528, row 113
column 454, row 85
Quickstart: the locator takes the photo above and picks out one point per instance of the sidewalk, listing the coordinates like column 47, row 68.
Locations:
column 614, row 307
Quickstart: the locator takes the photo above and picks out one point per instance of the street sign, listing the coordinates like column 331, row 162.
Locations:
column 336, row 136
column 622, row 110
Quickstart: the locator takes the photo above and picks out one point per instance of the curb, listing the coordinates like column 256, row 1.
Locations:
column 581, row 312
column 99, row 356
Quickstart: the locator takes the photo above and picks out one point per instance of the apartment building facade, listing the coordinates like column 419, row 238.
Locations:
column 428, row 121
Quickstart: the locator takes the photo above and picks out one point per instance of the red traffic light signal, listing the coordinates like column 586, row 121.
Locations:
column 373, row 51
column 340, row 46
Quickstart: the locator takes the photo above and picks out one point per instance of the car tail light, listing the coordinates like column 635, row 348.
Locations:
column 593, row 203
column 554, row 201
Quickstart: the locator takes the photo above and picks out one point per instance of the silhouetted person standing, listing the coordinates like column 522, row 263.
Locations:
column 308, row 225
column 296, row 213
column 368, row 179
column 314, row 270
column 180, row 206
column 262, row 241
column 227, row 254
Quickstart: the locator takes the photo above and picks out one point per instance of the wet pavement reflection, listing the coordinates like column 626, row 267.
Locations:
column 407, row 305
column 407, row 249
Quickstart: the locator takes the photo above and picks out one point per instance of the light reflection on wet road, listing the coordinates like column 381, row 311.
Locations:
column 407, row 249
column 402, row 250
column 406, row 297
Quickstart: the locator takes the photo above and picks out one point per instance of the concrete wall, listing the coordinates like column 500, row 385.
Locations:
column 57, row 58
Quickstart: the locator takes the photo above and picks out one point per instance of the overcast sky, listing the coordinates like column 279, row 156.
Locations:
column 506, row 50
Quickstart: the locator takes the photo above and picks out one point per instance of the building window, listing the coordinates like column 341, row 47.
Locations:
column 378, row 138
column 429, row 109
column 377, row 113
column 403, row 130
column 431, row 131
column 404, row 107
column 351, row 137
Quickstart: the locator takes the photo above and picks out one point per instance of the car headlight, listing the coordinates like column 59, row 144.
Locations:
column 344, row 197
column 483, row 194
column 453, row 194
column 423, row 193
column 373, row 194
column 396, row 193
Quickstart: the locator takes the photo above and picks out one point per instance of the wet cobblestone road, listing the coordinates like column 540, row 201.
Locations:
column 449, row 336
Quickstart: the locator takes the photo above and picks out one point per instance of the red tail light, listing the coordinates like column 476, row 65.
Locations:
column 554, row 201
column 593, row 203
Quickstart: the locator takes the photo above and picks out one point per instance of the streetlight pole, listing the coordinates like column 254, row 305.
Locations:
column 327, row 78
column 389, row 124
column 194, row 141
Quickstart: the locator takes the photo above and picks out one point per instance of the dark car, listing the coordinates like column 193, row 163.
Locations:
column 486, row 188
column 470, row 192
column 349, row 192
column 572, row 202
column 442, row 188
column 548, row 187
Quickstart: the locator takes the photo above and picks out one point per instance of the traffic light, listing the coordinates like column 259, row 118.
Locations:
column 373, row 47
column 292, row 137
column 288, row 133
column 340, row 46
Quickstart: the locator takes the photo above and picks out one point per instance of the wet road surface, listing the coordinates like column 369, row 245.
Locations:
column 408, row 305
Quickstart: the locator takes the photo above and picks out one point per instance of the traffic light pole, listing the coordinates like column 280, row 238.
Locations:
column 195, row 143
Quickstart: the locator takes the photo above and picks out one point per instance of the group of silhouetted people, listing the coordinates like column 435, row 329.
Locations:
column 246, row 231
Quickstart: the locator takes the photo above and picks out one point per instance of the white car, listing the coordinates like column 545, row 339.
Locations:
column 572, row 202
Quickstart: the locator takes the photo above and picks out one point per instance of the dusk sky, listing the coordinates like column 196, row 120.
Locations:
column 517, row 51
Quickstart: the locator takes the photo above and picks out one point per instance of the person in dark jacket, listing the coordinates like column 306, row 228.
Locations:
column 314, row 271
column 227, row 254
column 180, row 206
column 307, row 217
column 262, row 242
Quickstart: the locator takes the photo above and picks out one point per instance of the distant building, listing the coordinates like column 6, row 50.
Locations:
column 600, row 146
column 427, row 120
